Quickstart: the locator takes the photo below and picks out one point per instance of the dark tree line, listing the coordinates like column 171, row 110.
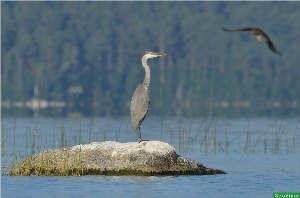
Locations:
column 88, row 54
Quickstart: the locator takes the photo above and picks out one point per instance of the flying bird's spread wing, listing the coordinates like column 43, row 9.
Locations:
column 268, row 41
column 272, row 47
column 239, row 29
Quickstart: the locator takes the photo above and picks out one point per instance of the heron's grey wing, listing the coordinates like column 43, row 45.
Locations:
column 239, row 29
column 139, row 105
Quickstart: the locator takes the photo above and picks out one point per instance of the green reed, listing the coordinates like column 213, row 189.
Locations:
column 63, row 140
column 226, row 143
column 214, row 142
column 248, row 142
column 3, row 141
column 91, row 128
column 118, row 131
column 277, row 134
column 80, row 132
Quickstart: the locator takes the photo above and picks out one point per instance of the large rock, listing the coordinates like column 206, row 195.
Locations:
column 112, row 158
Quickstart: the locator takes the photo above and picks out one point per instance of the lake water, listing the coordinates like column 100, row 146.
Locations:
column 260, row 155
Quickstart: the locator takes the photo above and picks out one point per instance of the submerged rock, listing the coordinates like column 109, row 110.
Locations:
column 112, row 158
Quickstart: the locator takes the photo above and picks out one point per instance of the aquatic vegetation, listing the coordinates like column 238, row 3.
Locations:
column 203, row 136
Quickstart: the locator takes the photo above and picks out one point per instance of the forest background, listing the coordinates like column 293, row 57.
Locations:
column 85, row 58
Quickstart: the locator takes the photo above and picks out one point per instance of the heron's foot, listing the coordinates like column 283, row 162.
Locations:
column 141, row 140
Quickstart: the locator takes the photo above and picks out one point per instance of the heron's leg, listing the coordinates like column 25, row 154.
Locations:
column 140, row 136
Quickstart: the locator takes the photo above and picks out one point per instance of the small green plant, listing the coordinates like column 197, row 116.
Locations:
column 49, row 162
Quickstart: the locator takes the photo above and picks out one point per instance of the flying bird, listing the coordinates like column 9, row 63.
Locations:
column 260, row 35
column 141, row 99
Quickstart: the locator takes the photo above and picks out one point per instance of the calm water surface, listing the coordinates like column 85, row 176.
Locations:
column 261, row 156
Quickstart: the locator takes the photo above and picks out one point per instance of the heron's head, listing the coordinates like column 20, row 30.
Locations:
column 152, row 55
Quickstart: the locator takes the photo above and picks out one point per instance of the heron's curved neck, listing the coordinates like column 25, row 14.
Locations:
column 147, row 71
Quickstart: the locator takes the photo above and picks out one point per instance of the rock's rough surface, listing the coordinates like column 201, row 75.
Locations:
column 112, row 158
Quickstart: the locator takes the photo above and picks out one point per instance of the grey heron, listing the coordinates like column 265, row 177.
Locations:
column 140, row 99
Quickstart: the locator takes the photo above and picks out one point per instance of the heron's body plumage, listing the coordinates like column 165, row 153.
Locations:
column 139, row 105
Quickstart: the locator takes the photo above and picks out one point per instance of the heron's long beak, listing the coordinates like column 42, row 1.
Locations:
column 159, row 54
